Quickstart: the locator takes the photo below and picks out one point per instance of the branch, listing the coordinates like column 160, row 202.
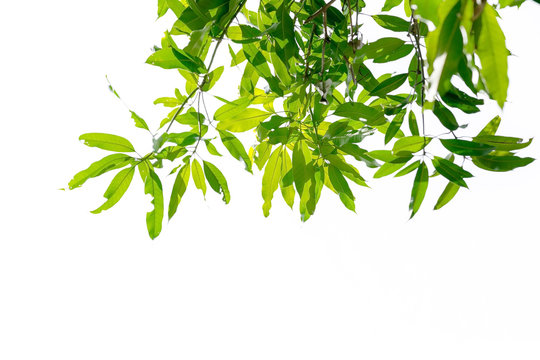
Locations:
column 319, row 12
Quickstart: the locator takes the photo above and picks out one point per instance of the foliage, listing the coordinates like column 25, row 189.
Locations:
column 309, row 96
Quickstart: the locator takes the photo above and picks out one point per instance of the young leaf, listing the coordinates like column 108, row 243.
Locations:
column 340, row 184
column 235, row 148
column 394, row 126
column 152, row 186
column 410, row 144
column 448, row 194
column 217, row 181
column 419, row 188
column 198, row 176
column 492, row 127
column 107, row 142
column 391, row 22
column 108, row 163
column 244, row 121
column 139, row 121
column 270, row 181
column 119, row 185
column 179, row 188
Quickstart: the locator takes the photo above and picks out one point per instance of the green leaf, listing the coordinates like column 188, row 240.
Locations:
column 448, row 194
column 162, row 7
column 301, row 156
column 491, row 127
column 270, row 181
column 341, row 186
column 217, row 181
column 419, row 188
column 500, row 163
column 235, row 148
column 139, row 122
column 243, row 34
column 179, row 188
column 391, row 22
column 390, row 4
column 171, row 58
column 465, row 147
column 119, row 185
column 410, row 144
column 451, row 171
column 389, row 85
column 212, row 78
column 458, row 99
column 108, row 163
column 445, row 116
column 356, row 111
column 198, row 176
column 211, row 148
column 502, row 143
column 381, row 47
column 287, row 179
column 152, row 186
column 246, row 120
column 107, row 142
column 401, row 52
column 413, row 124
column 491, row 50
column 408, row 169
column 394, row 126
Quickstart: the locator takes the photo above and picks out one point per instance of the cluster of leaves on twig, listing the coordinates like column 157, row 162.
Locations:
column 309, row 96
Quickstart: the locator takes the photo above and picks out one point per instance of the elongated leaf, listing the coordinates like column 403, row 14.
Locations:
column 246, row 120
column 212, row 78
column 217, row 181
column 389, row 85
column 492, row 127
column 198, row 176
column 287, row 178
column 152, row 186
column 502, row 143
column 448, row 194
column 340, row 184
column 500, row 163
column 179, row 189
column 108, row 163
column 419, row 188
column 465, row 147
column 394, row 126
column 391, row 22
column 235, row 148
column 301, row 156
column 408, row 169
column 410, row 144
column 119, row 185
column 171, row 58
column 445, row 116
column 356, row 111
column 381, row 47
column 451, row 171
column 270, row 181
column 390, row 4
column 107, row 142
column 413, row 124
column 139, row 121
column 491, row 50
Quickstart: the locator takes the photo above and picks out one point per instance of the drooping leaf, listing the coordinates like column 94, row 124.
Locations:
column 217, row 181
column 501, row 163
column 198, row 176
column 270, row 181
column 152, row 186
column 451, row 171
column 179, row 188
column 139, row 121
column 394, row 126
column 108, row 163
column 502, row 143
column 445, row 116
column 235, row 148
column 419, row 188
column 448, row 194
column 340, row 184
column 465, row 147
column 119, row 185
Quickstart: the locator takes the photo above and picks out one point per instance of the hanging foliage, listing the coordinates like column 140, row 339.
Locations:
column 309, row 96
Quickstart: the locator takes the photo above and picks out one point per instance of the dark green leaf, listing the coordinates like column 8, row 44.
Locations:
column 500, row 163
column 445, row 116
column 419, row 188
column 391, row 22
column 389, row 85
column 502, row 143
column 465, row 147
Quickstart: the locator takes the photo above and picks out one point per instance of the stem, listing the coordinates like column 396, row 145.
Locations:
column 319, row 12
column 419, row 70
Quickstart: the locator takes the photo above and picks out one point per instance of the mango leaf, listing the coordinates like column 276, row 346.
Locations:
column 235, row 148
column 500, row 163
column 246, row 120
column 410, row 144
column 139, row 121
column 270, row 181
column 341, row 186
column 491, row 50
column 198, row 176
column 448, row 194
column 179, row 188
column 445, row 116
column 217, row 181
column 465, row 147
column 502, row 143
column 419, row 188
column 119, row 185
column 394, row 126
column 389, row 85
column 451, row 171
column 152, row 186
column 391, row 22
column 108, row 163
column 107, row 142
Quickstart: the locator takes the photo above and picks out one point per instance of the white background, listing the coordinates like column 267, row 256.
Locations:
column 223, row 282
